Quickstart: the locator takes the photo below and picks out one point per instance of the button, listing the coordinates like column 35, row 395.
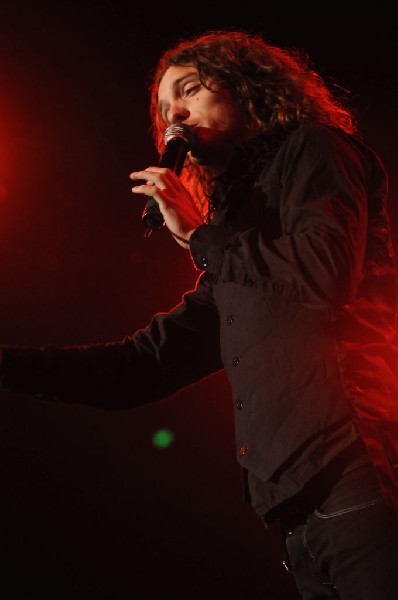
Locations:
column 235, row 361
column 243, row 450
column 204, row 261
column 239, row 404
column 230, row 319
column 286, row 566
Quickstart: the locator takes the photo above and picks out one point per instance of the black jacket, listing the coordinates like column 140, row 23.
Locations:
column 296, row 300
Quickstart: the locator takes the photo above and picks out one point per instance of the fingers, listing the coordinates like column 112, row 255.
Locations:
column 152, row 175
column 153, row 186
column 149, row 188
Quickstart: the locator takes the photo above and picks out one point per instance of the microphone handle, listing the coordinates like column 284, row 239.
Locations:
column 172, row 158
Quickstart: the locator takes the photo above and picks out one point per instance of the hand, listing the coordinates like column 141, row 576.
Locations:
column 176, row 204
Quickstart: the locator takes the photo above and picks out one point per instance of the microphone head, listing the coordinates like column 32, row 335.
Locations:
column 179, row 130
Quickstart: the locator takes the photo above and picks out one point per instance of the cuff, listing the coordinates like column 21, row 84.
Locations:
column 207, row 245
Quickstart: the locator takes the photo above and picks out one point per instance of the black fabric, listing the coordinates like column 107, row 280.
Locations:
column 296, row 300
column 347, row 546
column 320, row 488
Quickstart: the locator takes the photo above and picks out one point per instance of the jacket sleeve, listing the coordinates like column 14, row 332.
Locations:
column 176, row 349
column 322, row 187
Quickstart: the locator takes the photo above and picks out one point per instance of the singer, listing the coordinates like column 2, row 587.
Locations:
column 283, row 207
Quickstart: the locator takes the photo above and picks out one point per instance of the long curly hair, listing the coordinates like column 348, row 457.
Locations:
column 276, row 87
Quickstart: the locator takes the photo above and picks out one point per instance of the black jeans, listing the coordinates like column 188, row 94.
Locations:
column 347, row 547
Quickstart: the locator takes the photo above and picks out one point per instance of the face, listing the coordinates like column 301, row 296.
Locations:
column 218, row 121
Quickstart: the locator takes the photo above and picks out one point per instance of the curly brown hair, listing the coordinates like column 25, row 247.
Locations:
column 276, row 87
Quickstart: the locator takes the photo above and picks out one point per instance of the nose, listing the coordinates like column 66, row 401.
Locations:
column 177, row 112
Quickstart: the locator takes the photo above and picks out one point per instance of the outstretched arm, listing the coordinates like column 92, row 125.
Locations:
column 176, row 349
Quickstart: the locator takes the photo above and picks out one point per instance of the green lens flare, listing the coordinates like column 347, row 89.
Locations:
column 162, row 438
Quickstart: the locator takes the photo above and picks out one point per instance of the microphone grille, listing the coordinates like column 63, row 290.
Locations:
column 178, row 130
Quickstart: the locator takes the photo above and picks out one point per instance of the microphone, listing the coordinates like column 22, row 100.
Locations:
column 178, row 139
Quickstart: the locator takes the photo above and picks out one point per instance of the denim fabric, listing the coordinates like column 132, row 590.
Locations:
column 347, row 547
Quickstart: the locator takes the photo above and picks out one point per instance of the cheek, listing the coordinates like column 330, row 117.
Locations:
column 228, row 119
column 220, row 115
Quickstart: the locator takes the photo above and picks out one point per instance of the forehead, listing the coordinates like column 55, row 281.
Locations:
column 174, row 77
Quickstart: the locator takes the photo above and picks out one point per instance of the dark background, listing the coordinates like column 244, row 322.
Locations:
column 89, row 506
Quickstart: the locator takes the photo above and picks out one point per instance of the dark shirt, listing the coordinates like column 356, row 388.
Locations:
column 296, row 300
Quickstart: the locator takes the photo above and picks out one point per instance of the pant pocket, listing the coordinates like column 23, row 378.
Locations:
column 322, row 514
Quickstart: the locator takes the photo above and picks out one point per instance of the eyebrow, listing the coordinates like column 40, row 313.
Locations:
column 162, row 104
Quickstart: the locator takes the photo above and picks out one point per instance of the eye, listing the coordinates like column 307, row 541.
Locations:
column 190, row 90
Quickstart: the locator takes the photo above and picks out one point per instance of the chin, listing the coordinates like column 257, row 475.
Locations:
column 208, row 156
column 199, row 158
